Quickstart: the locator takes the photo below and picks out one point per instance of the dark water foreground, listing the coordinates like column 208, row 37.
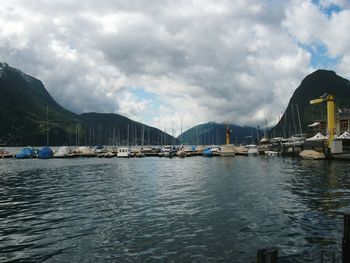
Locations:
column 171, row 210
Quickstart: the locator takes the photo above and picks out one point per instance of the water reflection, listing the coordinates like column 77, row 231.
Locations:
column 321, row 196
column 152, row 209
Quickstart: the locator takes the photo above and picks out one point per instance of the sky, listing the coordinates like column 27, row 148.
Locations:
column 170, row 62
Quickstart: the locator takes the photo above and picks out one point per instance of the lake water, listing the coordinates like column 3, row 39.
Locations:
column 171, row 210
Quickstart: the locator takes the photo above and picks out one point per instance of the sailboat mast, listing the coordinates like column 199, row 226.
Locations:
column 285, row 125
column 172, row 132
column 143, row 134
column 76, row 134
column 148, row 136
column 85, row 134
column 160, row 134
column 47, row 125
column 164, row 135
column 135, row 135
column 181, row 132
column 113, row 135
column 203, row 136
column 295, row 130
column 70, row 131
column 267, row 128
column 301, row 131
column 127, row 135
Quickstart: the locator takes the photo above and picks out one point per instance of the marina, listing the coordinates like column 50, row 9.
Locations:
column 167, row 151
column 312, row 148
column 318, row 147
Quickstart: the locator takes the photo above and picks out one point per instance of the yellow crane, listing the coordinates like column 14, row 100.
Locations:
column 330, row 114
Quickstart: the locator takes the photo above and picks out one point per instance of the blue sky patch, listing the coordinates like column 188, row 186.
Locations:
column 319, row 56
column 329, row 10
column 141, row 94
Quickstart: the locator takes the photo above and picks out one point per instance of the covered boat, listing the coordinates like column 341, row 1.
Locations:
column 241, row 150
column 45, row 153
column 207, row 152
column 27, row 152
column 137, row 152
column 62, row 152
column 181, row 152
column 318, row 137
column 344, row 136
column 312, row 155
column 82, row 151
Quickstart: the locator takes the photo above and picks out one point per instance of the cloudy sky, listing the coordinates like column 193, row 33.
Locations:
column 162, row 61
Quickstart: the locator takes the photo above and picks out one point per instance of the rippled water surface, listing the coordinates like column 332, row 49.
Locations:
column 171, row 210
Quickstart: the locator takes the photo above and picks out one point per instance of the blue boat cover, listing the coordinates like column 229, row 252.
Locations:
column 45, row 153
column 207, row 152
column 25, row 153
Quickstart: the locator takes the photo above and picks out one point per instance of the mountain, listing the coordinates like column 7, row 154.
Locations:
column 23, row 110
column 313, row 86
column 27, row 111
column 215, row 133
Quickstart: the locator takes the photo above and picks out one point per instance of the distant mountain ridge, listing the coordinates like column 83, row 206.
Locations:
column 312, row 86
column 27, row 110
column 215, row 133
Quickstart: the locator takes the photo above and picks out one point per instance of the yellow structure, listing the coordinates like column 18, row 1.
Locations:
column 227, row 134
column 330, row 115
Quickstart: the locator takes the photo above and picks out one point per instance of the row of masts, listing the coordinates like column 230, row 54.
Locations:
column 292, row 130
column 132, row 134
column 95, row 134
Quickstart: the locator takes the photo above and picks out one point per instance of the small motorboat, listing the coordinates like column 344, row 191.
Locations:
column 124, row 152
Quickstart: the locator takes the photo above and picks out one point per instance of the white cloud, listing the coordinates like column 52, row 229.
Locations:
column 305, row 21
column 204, row 60
column 310, row 25
column 344, row 66
column 335, row 36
